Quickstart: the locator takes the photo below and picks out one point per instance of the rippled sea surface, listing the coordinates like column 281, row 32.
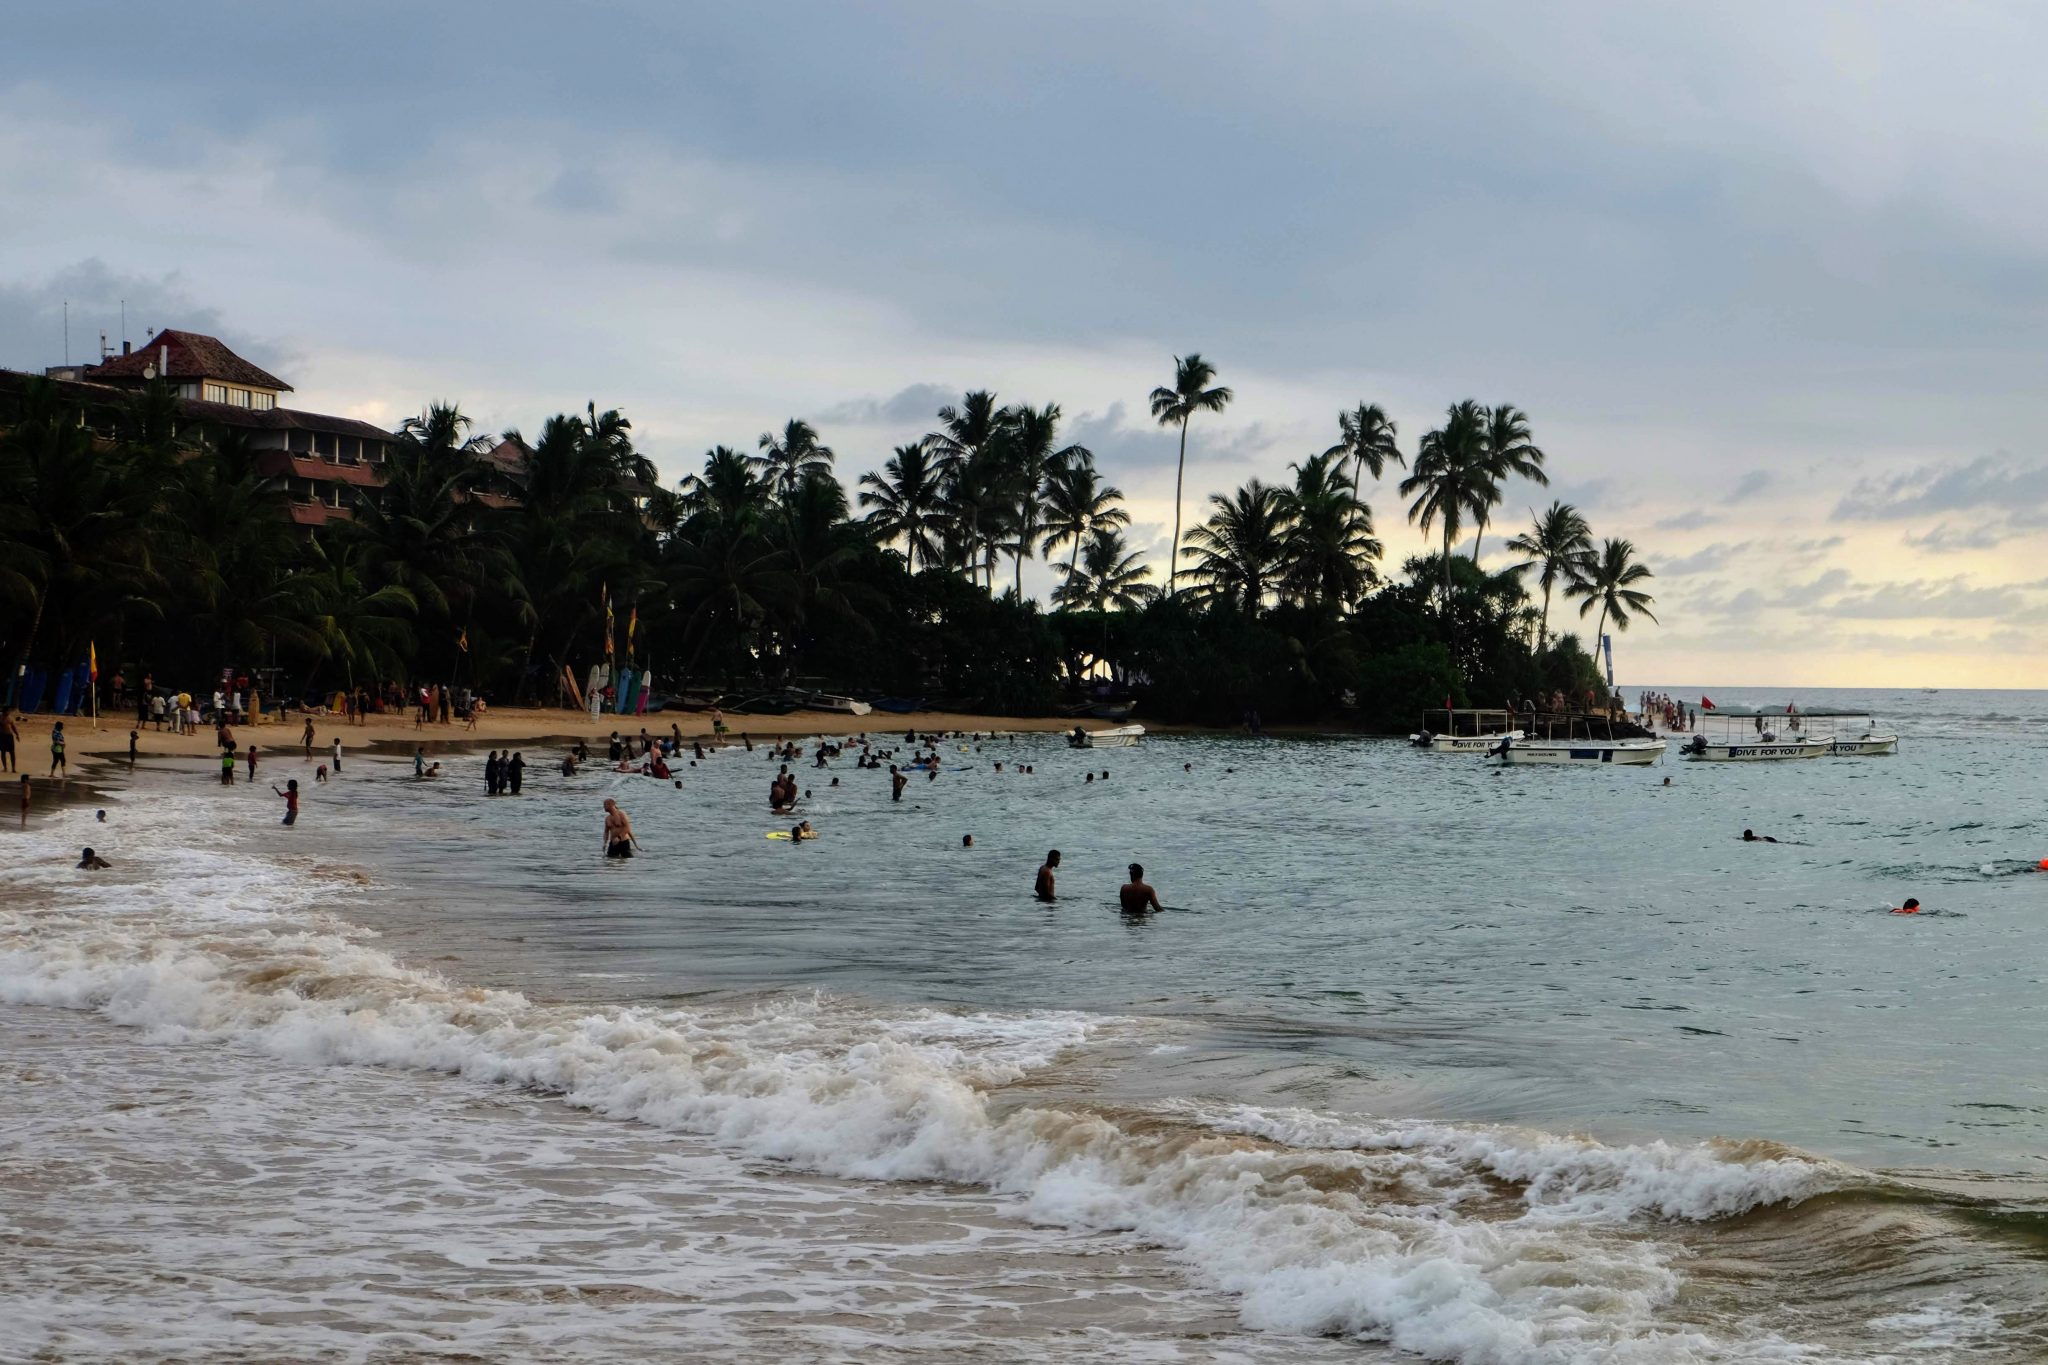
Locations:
column 1426, row 1059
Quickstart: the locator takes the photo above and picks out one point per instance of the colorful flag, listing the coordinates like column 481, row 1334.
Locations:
column 92, row 656
column 632, row 624
column 607, row 591
column 1707, row 702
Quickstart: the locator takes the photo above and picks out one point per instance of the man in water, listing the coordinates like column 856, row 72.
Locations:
column 515, row 772
column 1911, row 907
column 1044, row 889
column 90, row 861
column 419, row 760
column 26, row 797
column 618, row 832
column 1136, row 897
column 967, row 841
column 291, row 801
column 897, row 782
column 337, row 755
column 1750, row 836
column 491, row 771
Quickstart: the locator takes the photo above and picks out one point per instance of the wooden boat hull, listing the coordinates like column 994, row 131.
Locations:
column 1869, row 746
column 1121, row 738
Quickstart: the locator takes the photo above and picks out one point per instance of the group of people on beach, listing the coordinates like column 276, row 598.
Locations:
column 1657, row 708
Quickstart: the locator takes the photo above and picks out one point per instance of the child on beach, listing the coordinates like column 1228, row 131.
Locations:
column 291, row 801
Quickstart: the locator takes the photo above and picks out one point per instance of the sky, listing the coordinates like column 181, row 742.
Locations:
column 1770, row 280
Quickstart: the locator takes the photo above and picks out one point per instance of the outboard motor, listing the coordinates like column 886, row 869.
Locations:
column 1696, row 745
column 1421, row 739
column 1500, row 750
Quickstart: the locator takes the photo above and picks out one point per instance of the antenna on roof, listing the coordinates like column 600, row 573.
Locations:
column 67, row 331
column 124, row 324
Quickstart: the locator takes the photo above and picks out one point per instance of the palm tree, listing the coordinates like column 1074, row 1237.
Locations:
column 1191, row 393
column 1559, row 546
column 1240, row 551
column 1451, row 478
column 1330, row 545
column 1509, row 453
column 903, row 503
column 1105, row 576
column 1033, row 457
column 1078, row 505
column 1609, row 585
column 969, row 446
column 1368, row 442
column 792, row 457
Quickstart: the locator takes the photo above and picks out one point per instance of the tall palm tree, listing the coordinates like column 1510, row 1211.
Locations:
column 1240, row 551
column 1367, row 440
column 1033, row 456
column 1330, row 545
column 1509, row 454
column 1106, row 575
column 792, row 456
column 903, row 503
column 1450, row 478
column 970, row 447
column 1192, row 392
column 1559, row 547
column 1610, row 584
column 1078, row 505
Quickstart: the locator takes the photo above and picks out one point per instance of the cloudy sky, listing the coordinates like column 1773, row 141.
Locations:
column 1771, row 280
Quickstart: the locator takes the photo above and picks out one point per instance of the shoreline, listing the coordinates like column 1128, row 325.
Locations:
column 533, row 726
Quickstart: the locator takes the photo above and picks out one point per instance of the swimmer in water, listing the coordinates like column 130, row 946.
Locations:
column 1911, row 907
column 1136, row 897
column 1043, row 889
column 1750, row 836
column 90, row 861
column 618, row 832
column 967, row 841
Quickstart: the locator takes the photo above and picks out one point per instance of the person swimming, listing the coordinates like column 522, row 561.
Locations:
column 967, row 841
column 1750, row 836
column 89, row 861
column 1911, row 907
column 1135, row 896
column 1044, row 888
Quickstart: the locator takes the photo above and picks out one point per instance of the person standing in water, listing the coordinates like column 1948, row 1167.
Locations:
column 291, row 801
column 1044, row 889
column 26, row 797
column 337, row 755
column 491, row 774
column 1135, row 896
column 90, row 861
column 897, row 782
column 618, row 832
column 515, row 773
column 250, row 755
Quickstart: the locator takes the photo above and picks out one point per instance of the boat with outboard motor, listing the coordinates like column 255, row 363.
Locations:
column 1122, row 737
column 1774, row 734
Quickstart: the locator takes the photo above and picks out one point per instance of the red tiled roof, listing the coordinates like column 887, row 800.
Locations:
column 282, row 419
column 319, row 513
column 509, row 456
column 187, row 355
column 279, row 464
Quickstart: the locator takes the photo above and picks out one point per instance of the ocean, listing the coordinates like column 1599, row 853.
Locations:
column 1426, row 1060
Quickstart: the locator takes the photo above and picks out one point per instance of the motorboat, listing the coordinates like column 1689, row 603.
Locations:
column 1759, row 734
column 1463, row 731
column 830, row 701
column 1578, row 738
column 1865, row 740
column 1122, row 737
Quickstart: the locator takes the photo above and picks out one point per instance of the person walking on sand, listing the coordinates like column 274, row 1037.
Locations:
column 307, row 738
column 134, row 746
column 618, row 832
column 57, row 762
column 10, row 735
column 1135, row 896
column 1043, row 888
column 291, row 802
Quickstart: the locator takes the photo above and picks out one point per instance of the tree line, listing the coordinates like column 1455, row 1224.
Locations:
column 173, row 554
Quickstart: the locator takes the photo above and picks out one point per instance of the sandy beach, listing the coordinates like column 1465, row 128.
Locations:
column 535, row 726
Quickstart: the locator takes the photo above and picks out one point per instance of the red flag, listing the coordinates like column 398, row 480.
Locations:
column 1447, row 704
column 1707, row 702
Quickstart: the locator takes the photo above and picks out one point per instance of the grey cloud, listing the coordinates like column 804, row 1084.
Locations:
column 1708, row 560
column 1751, row 484
column 1950, row 600
column 1692, row 519
column 1945, row 538
column 1999, row 482
column 917, row 403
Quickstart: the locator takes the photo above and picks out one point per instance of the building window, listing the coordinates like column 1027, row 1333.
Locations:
column 301, row 441
column 263, row 402
column 216, row 393
column 239, row 397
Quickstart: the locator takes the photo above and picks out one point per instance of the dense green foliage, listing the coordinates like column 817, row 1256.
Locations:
column 174, row 554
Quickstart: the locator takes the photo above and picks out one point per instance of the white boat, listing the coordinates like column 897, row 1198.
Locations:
column 1576, row 738
column 845, row 706
column 1635, row 752
column 1122, row 737
column 1452, row 731
column 1771, row 734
